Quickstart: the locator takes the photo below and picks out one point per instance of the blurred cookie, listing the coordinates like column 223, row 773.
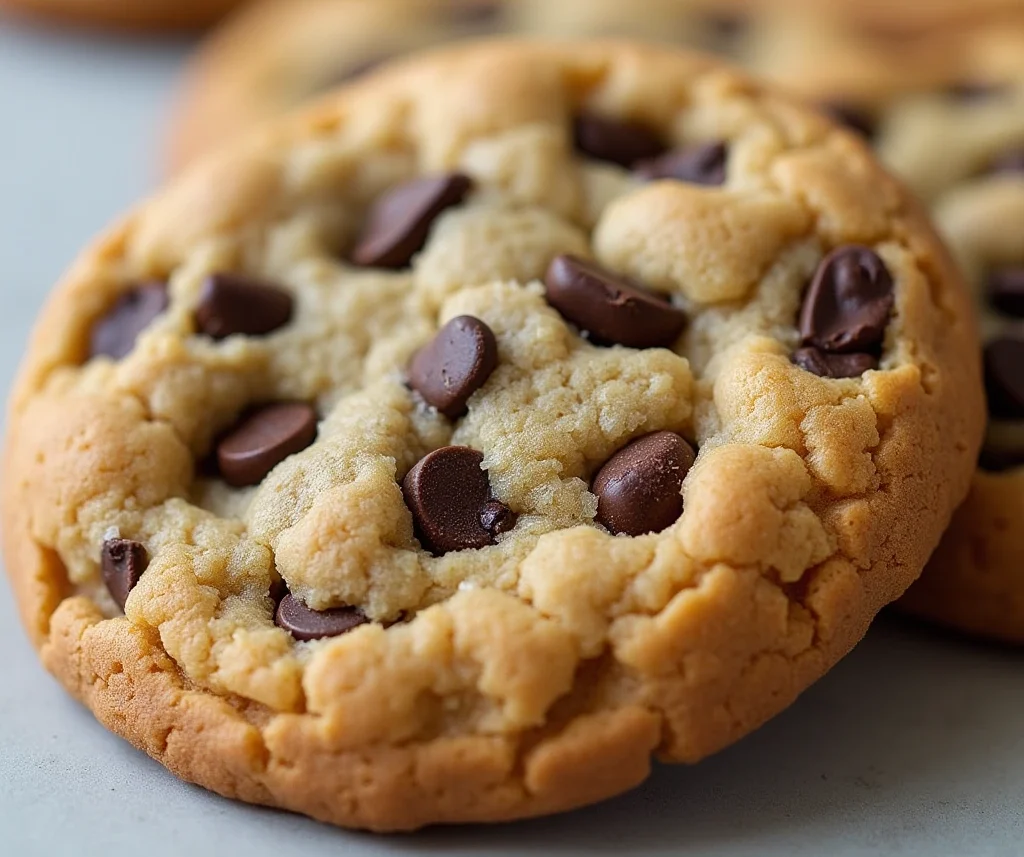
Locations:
column 275, row 55
column 511, row 417
column 126, row 14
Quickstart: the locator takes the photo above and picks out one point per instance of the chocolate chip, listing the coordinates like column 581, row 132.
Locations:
column 1005, row 289
column 449, row 496
column 231, row 304
column 847, row 307
column 123, row 563
column 724, row 28
column 1004, row 378
column 826, row 365
column 454, row 365
column 702, row 164
column 400, row 221
column 639, row 488
column 609, row 307
column 114, row 335
column 305, row 624
column 1001, row 460
column 474, row 13
column 264, row 439
column 851, row 116
column 497, row 518
column 620, row 142
column 971, row 91
column 1010, row 162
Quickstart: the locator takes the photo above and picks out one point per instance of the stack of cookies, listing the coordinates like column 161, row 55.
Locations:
column 524, row 410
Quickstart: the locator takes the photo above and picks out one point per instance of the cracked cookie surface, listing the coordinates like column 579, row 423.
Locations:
column 975, row 582
column 448, row 467
column 965, row 88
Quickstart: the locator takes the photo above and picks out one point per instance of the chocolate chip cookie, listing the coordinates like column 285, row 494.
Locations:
column 126, row 14
column 274, row 55
column 975, row 582
column 515, row 415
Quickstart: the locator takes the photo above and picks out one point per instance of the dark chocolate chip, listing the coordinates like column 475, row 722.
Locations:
column 702, row 164
column 1010, row 162
column 231, row 304
column 724, row 28
column 305, row 624
column 114, row 335
column 969, row 91
column 476, row 14
column 450, row 499
column 1005, row 289
column 609, row 307
column 826, row 365
column 456, row 363
column 620, row 142
column 1001, row 460
column 497, row 518
column 848, row 305
column 264, row 439
column 399, row 222
column 851, row 116
column 123, row 563
column 639, row 488
column 1004, row 378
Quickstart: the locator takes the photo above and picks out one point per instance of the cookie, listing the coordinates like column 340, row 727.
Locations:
column 963, row 87
column 125, row 14
column 420, row 459
column 273, row 56
column 975, row 582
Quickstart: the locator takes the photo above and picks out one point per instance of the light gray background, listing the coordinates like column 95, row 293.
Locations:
column 913, row 745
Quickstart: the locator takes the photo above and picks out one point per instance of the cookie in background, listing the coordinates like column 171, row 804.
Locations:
column 125, row 14
column 274, row 55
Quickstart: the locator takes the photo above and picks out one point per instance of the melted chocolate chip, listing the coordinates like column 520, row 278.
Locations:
column 306, row 624
column 1005, row 288
column 826, row 365
column 639, row 488
column 230, row 304
column 851, row 116
column 449, row 496
column 115, row 333
column 609, row 307
column 122, row 562
column 1004, row 378
column 399, row 222
column 456, row 363
column 619, row 142
column 848, row 304
column 264, row 439
column 702, row 164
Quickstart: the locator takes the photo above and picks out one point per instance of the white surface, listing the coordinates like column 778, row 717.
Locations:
column 913, row 745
